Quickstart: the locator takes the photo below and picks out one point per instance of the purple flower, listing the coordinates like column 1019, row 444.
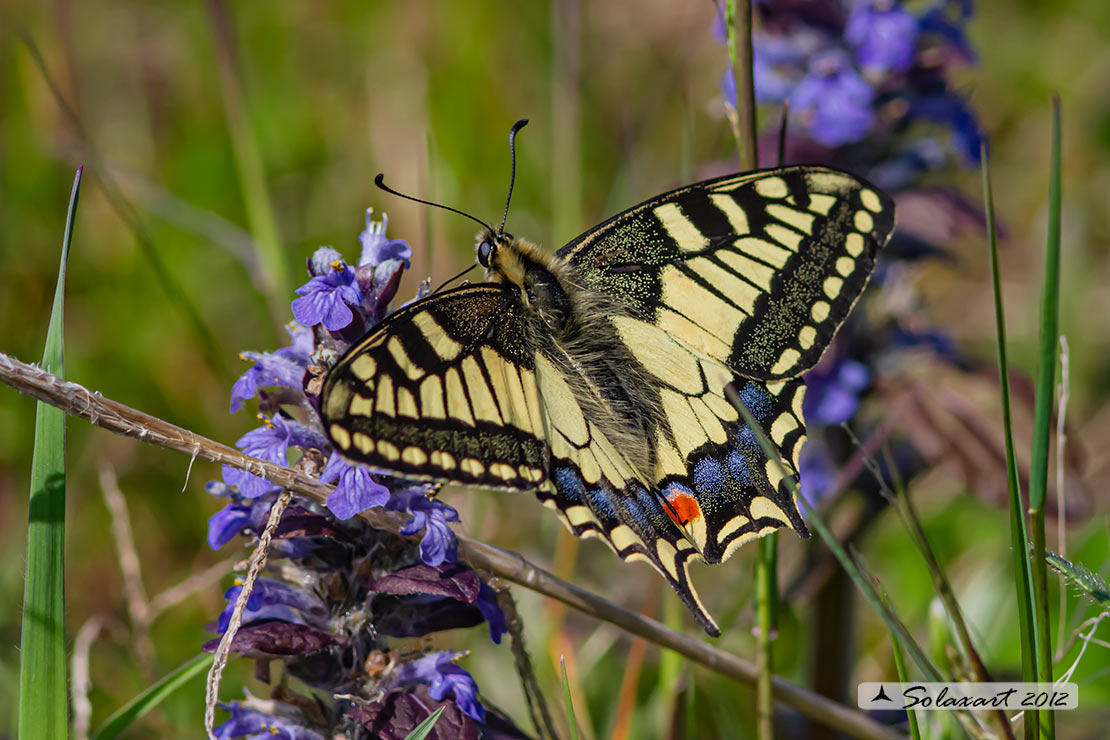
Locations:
column 242, row 515
column 884, row 36
column 833, row 390
column 953, row 112
column 377, row 247
column 380, row 267
column 430, row 514
column 491, row 610
column 272, row 599
column 286, row 367
column 833, row 102
column 255, row 725
column 439, row 670
column 816, row 474
column 270, row 442
column 327, row 298
column 355, row 490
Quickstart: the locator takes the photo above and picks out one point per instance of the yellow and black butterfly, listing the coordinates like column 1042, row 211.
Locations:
column 595, row 376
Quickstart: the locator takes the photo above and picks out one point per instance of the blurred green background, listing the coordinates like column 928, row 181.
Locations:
column 624, row 103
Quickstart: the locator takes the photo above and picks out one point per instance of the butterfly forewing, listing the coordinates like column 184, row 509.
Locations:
column 757, row 271
column 444, row 389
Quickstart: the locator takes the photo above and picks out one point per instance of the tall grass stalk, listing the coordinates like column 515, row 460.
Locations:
column 738, row 27
column 1019, row 551
column 1042, row 422
column 43, row 695
column 248, row 164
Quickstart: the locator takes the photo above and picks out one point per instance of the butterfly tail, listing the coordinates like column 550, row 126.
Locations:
column 635, row 524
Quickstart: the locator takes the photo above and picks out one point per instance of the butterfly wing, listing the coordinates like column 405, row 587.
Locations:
column 756, row 271
column 443, row 389
column 742, row 280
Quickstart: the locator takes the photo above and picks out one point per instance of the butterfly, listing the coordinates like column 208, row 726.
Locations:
column 595, row 377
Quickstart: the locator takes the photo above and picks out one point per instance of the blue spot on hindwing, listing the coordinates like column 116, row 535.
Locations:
column 738, row 467
column 709, row 476
column 602, row 504
column 757, row 400
column 569, row 483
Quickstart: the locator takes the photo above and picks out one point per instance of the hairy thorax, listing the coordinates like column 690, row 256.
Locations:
column 570, row 324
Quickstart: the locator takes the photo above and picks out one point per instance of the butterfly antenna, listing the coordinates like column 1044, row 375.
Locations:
column 512, row 176
column 380, row 182
column 448, row 281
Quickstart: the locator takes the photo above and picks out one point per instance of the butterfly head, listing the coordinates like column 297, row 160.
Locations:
column 499, row 253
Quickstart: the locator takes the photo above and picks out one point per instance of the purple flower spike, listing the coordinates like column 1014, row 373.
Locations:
column 253, row 724
column 355, row 490
column 327, row 299
column 430, row 514
column 884, row 36
column 439, row 670
column 833, row 101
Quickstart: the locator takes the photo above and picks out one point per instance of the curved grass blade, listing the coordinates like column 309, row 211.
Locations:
column 424, row 729
column 152, row 697
column 43, row 697
column 1018, row 536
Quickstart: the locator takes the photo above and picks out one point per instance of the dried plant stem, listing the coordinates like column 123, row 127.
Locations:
column 138, row 606
column 537, row 705
column 114, row 416
column 178, row 593
column 79, row 673
column 223, row 651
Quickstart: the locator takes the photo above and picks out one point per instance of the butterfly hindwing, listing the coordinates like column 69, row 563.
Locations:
column 443, row 389
column 756, row 271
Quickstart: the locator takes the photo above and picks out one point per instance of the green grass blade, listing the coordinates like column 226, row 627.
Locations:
column 1018, row 549
column 570, row 704
column 1043, row 423
column 424, row 729
column 152, row 697
column 900, row 666
column 43, row 697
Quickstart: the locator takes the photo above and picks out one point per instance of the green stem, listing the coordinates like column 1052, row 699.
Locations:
column 766, row 584
column 900, row 666
column 1019, row 550
column 1042, row 422
column 738, row 25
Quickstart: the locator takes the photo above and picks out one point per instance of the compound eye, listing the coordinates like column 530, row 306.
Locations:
column 484, row 250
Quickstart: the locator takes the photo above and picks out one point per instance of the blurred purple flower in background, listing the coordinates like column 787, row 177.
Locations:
column 870, row 92
column 344, row 588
